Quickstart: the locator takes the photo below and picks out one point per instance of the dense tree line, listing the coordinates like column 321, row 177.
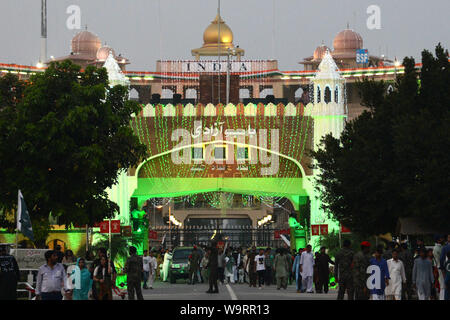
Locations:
column 393, row 160
column 64, row 137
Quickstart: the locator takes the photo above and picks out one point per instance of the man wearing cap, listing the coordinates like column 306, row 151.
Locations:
column 343, row 271
column 361, row 262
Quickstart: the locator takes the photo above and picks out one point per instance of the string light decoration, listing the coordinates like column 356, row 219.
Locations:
column 155, row 132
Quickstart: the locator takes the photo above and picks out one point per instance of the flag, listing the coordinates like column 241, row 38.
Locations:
column 23, row 218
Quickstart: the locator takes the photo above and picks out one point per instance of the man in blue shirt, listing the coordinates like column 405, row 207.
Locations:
column 51, row 278
column 378, row 294
column 444, row 251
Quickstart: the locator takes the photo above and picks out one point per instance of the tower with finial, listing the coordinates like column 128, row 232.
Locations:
column 328, row 109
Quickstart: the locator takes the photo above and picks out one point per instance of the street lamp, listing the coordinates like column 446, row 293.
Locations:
column 229, row 52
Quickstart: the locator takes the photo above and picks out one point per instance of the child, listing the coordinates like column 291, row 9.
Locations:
column 241, row 272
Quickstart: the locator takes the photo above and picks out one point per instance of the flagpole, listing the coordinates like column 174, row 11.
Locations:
column 17, row 223
column 110, row 253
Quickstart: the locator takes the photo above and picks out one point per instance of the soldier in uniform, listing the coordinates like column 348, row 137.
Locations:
column 343, row 271
column 134, row 268
column 406, row 257
column 9, row 274
column 361, row 261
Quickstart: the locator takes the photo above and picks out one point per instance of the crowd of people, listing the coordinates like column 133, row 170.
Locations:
column 404, row 273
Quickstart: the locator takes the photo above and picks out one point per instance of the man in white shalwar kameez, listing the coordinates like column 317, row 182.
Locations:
column 398, row 277
column 166, row 265
column 307, row 269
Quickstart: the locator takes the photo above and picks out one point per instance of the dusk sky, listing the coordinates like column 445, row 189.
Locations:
column 136, row 28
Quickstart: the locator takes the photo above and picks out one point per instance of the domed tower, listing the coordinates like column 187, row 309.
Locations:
column 320, row 52
column 86, row 43
column 103, row 53
column 347, row 41
column 328, row 109
column 212, row 46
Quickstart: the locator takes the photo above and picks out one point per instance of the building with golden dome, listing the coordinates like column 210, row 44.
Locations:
column 87, row 50
column 345, row 45
column 212, row 46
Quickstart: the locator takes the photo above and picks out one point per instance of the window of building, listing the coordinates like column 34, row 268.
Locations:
column 318, row 94
column 327, row 97
column 220, row 153
column 242, row 153
column 197, row 153
column 336, row 94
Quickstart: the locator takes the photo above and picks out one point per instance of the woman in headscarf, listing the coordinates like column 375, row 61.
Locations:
column 85, row 284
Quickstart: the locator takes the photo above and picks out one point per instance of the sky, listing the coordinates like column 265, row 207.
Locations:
column 287, row 30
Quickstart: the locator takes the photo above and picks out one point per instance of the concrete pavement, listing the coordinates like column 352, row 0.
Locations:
column 183, row 291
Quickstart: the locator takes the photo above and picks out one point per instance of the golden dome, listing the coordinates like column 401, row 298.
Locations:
column 211, row 34
column 347, row 40
column 86, row 42
column 212, row 46
column 103, row 53
column 320, row 52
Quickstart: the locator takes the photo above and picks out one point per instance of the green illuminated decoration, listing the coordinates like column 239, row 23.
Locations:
column 298, row 233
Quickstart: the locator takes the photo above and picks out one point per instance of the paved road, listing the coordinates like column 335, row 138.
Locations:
column 183, row 291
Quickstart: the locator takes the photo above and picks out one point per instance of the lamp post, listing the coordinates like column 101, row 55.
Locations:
column 229, row 52
column 396, row 65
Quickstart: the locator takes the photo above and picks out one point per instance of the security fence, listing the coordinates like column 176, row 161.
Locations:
column 244, row 236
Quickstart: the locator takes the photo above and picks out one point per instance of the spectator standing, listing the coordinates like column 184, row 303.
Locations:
column 307, row 269
column 153, row 266
column 260, row 267
column 443, row 258
column 296, row 271
column 229, row 263
column 194, row 265
column 146, row 268
column 447, row 277
column 343, row 271
column 51, row 278
column 9, row 274
column 269, row 267
column 251, row 267
column 85, row 282
column 281, row 267
column 378, row 293
column 397, row 277
column 437, row 250
column 361, row 262
column 323, row 262
column 68, row 258
column 59, row 254
column 213, row 268
column 204, row 265
column 406, row 257
column 104, row 278
column 133, row 269
column 422, row 276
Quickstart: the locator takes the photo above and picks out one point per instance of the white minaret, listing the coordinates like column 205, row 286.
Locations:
column 118, row 192
column 43, row 55
column 328, row 109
